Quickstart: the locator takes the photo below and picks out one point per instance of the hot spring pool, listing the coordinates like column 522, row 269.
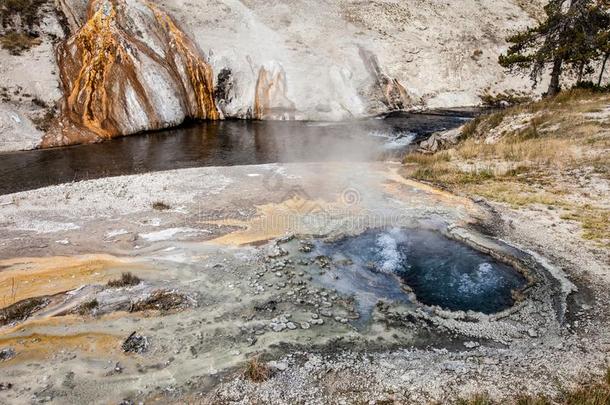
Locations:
column 439, row 270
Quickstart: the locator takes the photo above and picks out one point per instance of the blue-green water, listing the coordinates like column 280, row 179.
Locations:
column 439, row 270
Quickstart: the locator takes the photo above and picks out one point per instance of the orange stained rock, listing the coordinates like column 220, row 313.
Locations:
column 41, row 346
column 24, row 278
column 113, row 69
column 270, row 97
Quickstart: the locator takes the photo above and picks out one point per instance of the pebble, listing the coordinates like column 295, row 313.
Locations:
column 305, row 325
column 317, row 321
column 7, row 353
column 291, row 326
column 278, row 327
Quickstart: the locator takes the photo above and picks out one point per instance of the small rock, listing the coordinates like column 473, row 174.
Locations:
column 278, row 327
column 5, row 386
column 471, row 345
column 7, row 354
column 532, row 333
column 305, row 325
column 135, row 344
column 291, row 326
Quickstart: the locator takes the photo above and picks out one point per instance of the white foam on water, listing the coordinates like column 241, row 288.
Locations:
column 394, row 139
column 391, row 257
column 479, row 281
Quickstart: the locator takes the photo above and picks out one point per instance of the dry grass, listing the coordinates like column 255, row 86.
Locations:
column 545, row 152
column 593, row 393
column 256, row 370
column 126, row 280
column 21, row 310
column 161, row 206
column 87, row 308
column 16, row 42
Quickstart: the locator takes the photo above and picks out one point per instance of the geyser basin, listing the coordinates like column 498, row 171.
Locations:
column 439, row 270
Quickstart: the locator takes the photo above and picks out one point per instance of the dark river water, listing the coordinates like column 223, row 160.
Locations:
column 225, row 143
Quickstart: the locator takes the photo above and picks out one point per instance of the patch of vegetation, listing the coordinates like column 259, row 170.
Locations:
column 595, row 221
column 126, row 280
column 45, row 121
column 257, row 371
column 503, row 99
column 161, row 206
column 27, row 12
column 442, row 174
column 427, row 159
column 16, row 42
column 87, row 308
column 593, row 87
column 161, row 300
column 21, row 310
column 542, row 152
column 593, row 393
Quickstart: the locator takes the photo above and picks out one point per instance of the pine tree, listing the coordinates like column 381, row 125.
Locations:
column 567, row 39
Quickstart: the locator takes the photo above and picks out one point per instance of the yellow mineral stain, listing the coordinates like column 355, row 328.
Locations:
column 393, row 176
column 105, row 61
column 37, row 346
column 270, row 98
column 199, row 72
column 292, row 216
column 303, row 216
column 274, row 220
column 23, row 278
column 88, row 97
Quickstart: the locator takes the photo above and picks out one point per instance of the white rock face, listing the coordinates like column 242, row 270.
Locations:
column 17, row 132
column 443, row 53
column 25, row 78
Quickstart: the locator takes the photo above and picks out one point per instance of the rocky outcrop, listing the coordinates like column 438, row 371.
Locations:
column 271, row 101
column 17, row 131
column 393, row 94
column 129, row 69
column 441, row 140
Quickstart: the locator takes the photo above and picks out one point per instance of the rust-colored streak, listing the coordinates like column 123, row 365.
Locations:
column 199, row 73
column 32, row 277
column 270, row 99
column 42, row 346
column 110, row 71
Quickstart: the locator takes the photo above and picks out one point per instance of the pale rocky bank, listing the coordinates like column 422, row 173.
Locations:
column 304, row 60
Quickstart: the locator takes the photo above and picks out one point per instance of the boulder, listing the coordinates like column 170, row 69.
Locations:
column 440, row 140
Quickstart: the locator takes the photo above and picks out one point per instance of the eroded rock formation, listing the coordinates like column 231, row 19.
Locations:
column 394, row 95
column 270, row 100
column 129, row 69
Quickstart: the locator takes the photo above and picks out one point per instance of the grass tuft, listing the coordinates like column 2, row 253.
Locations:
column 126, row 280
column 257, row 371
column 161, row 206
column 16, row 43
